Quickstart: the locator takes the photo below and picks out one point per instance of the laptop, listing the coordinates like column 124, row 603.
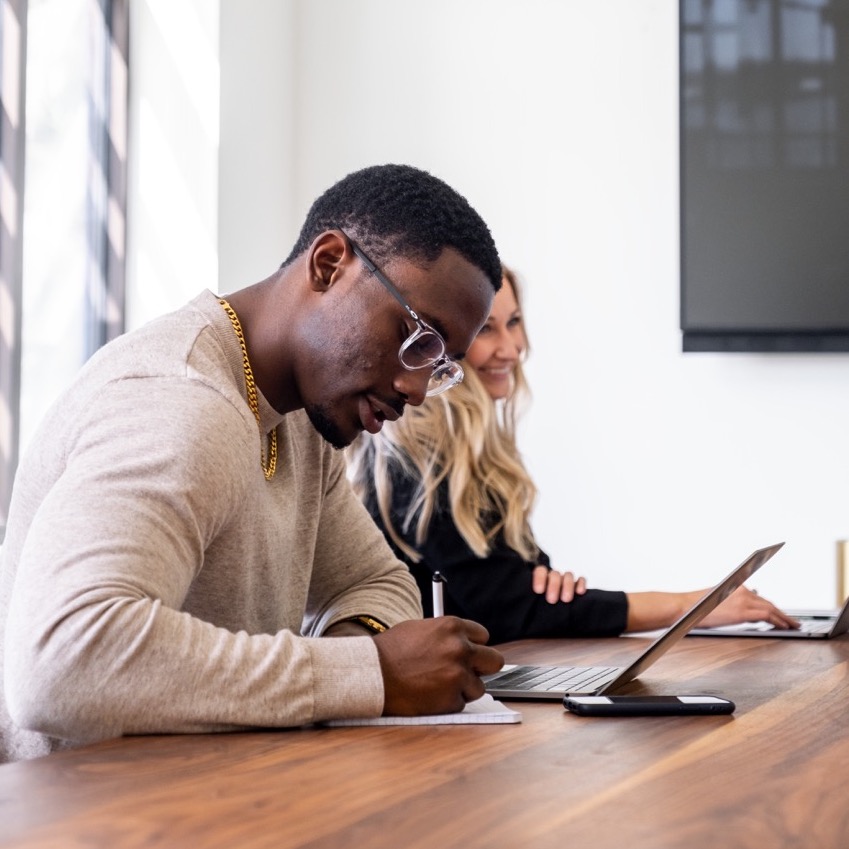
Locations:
column 554, row 682
column 815, row 625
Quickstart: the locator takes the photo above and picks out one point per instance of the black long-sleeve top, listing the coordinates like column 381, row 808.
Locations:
column 495, row 590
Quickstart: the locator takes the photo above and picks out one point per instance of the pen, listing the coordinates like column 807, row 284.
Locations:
column 438, row 581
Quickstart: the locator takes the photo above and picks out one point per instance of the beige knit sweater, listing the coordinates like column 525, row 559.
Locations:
column 153, row 581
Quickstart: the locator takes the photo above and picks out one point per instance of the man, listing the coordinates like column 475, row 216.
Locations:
column 181, row 539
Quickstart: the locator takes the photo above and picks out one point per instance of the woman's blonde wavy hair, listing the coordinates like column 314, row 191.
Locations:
column 461, row 436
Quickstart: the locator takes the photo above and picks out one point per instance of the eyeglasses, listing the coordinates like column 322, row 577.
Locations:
column 424, row 347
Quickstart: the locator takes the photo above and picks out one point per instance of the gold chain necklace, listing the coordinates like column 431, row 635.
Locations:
column 253, row 403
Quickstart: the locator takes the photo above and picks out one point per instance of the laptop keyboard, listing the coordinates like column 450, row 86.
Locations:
column 544, row 679
column 816, row 626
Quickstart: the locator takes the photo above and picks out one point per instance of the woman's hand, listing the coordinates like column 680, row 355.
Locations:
column 557, row 586
column 745, row 605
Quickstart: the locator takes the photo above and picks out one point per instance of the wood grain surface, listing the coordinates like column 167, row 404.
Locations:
column 771, row 775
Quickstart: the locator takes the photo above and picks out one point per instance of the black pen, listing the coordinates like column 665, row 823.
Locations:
column 438, row 581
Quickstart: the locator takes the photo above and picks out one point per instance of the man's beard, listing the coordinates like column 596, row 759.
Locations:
column 326, row 428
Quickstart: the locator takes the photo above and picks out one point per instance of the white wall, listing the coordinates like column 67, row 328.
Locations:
column 209, row 152
column 256, row 212
column 172, row 215
column 558, row 120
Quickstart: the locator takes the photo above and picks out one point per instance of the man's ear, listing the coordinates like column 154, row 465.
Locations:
column 327, row 258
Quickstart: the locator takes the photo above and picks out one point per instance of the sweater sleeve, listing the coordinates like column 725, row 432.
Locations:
column 120, row 537
column 496, row 590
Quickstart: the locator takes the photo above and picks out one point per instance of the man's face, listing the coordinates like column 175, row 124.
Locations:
column 354, row 380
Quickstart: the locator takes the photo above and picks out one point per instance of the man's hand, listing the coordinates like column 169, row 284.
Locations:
column 434, row 665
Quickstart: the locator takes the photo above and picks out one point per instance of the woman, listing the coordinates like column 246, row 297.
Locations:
column 447, row 486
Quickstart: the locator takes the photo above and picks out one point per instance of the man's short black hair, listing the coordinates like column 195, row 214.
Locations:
column 398, row 210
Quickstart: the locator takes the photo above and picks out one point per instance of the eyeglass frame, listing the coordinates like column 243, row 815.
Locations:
column 443, row 361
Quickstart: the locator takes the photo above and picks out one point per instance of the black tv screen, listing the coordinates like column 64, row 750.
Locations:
column 764, row 140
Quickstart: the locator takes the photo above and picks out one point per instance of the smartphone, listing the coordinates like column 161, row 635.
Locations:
column 647, row 705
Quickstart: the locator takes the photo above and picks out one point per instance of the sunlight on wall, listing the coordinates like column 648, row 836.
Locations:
column 173, row 181
column 55, row 237
column 185, row 247
column 194, row 55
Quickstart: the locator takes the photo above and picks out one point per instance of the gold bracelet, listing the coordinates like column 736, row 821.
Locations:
column 373, row 625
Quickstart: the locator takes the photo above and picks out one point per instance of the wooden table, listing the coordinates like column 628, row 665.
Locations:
column 772, row 775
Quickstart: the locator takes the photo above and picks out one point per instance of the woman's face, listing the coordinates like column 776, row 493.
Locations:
column 499, row 344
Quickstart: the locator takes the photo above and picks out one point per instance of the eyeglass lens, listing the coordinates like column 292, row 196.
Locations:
column 423, row 348
column 445, row 375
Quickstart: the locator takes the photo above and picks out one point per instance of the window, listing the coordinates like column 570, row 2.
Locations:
column 63, row 295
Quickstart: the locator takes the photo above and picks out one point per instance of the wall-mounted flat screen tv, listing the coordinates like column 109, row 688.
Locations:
column 764, row 141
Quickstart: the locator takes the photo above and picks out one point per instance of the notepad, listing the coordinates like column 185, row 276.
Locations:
column 483, row 711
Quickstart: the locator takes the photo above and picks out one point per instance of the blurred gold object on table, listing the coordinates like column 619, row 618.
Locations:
column 842, row 571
